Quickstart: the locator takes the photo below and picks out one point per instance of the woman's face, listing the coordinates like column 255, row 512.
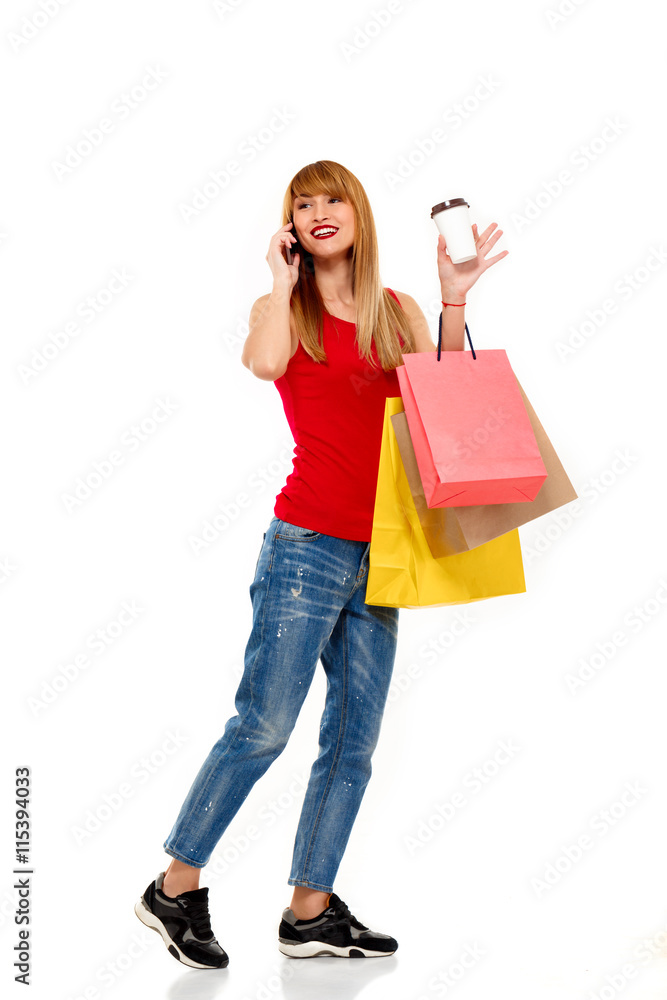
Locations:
column 323, row 212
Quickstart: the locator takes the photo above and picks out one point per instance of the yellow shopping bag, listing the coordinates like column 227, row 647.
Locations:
column 402, row 571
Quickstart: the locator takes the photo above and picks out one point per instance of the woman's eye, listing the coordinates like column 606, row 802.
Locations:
column 307, row 203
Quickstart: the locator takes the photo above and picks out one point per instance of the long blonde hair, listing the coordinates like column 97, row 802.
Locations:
column 379, row 316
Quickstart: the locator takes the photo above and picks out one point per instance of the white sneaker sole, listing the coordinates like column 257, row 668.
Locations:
column 313, row 949
column 150, row 920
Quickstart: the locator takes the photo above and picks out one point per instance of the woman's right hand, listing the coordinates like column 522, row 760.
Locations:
column 277, row 261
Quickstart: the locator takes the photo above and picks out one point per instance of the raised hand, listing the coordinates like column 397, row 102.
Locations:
column 281, row 270
column 456, row 280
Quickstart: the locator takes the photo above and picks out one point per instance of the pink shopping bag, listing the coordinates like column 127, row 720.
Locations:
column 472, row 436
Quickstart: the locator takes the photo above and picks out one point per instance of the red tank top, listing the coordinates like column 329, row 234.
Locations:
column 335, row 410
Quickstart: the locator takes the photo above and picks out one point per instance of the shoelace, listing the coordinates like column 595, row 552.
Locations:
column 343, row 909
column 197, row 911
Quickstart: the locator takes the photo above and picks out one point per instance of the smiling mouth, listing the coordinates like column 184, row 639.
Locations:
column 324, row 232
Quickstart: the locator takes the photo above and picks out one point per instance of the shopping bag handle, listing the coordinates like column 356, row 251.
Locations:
column 474, row 356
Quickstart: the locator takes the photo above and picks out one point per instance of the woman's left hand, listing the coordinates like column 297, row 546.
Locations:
column 456, row 280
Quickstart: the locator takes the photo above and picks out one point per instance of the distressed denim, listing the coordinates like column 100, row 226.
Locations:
column 308, row 605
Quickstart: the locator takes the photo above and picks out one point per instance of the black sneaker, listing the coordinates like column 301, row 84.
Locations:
column 184, row 924
column 335, row 932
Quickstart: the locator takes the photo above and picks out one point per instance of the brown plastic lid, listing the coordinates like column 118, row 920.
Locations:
column 452, row 203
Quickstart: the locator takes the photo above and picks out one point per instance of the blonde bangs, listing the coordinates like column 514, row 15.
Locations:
column 318, row 178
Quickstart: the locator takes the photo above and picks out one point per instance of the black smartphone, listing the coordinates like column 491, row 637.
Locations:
column 288, row 252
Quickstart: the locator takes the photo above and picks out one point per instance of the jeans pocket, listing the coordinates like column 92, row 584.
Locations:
column 295, row 532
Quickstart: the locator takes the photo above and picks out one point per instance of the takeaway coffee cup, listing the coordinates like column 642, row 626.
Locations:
column 453, row 221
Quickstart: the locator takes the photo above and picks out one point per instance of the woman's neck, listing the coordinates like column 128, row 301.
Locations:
column 334, row 282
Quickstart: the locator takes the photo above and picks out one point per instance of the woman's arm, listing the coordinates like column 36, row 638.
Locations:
column 266, row 351
column 453, row 325
column 268, row 346
column 456, row 280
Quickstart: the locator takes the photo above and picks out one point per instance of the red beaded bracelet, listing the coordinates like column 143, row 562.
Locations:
column 453, row 303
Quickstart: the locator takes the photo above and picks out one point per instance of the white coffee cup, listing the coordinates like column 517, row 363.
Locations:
column 453, row 221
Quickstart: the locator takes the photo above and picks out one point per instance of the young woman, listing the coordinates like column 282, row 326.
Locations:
column 329, row 336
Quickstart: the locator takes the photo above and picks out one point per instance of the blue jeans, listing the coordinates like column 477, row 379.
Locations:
column 308, row 604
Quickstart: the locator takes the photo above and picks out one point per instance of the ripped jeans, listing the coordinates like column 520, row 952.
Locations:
column 308, row 604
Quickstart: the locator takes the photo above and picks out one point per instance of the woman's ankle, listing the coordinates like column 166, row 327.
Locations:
column 180, row 878
column 173, row 889
column 308, row 903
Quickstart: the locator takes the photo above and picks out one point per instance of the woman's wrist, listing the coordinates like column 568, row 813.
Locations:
column 453, row 320
column 282, row 290
column 447, row 295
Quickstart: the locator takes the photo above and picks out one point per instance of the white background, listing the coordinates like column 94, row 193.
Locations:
column 369, row 97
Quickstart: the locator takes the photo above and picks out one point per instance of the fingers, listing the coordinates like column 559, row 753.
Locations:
column 490, row 243
column 486, row 237
column 283, row 239
column 492, row 240
column 494, row 260
column 486, row 241
column 283, row 231
column 279, row 247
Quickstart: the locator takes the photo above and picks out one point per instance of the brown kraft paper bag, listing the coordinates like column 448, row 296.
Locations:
column 449, row 530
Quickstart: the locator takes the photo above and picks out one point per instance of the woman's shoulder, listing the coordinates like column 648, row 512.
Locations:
column 258, row 307
column 417, row 321
column 404, row 300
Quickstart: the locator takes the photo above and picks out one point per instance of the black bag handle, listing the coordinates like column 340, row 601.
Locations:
column 474, row 356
